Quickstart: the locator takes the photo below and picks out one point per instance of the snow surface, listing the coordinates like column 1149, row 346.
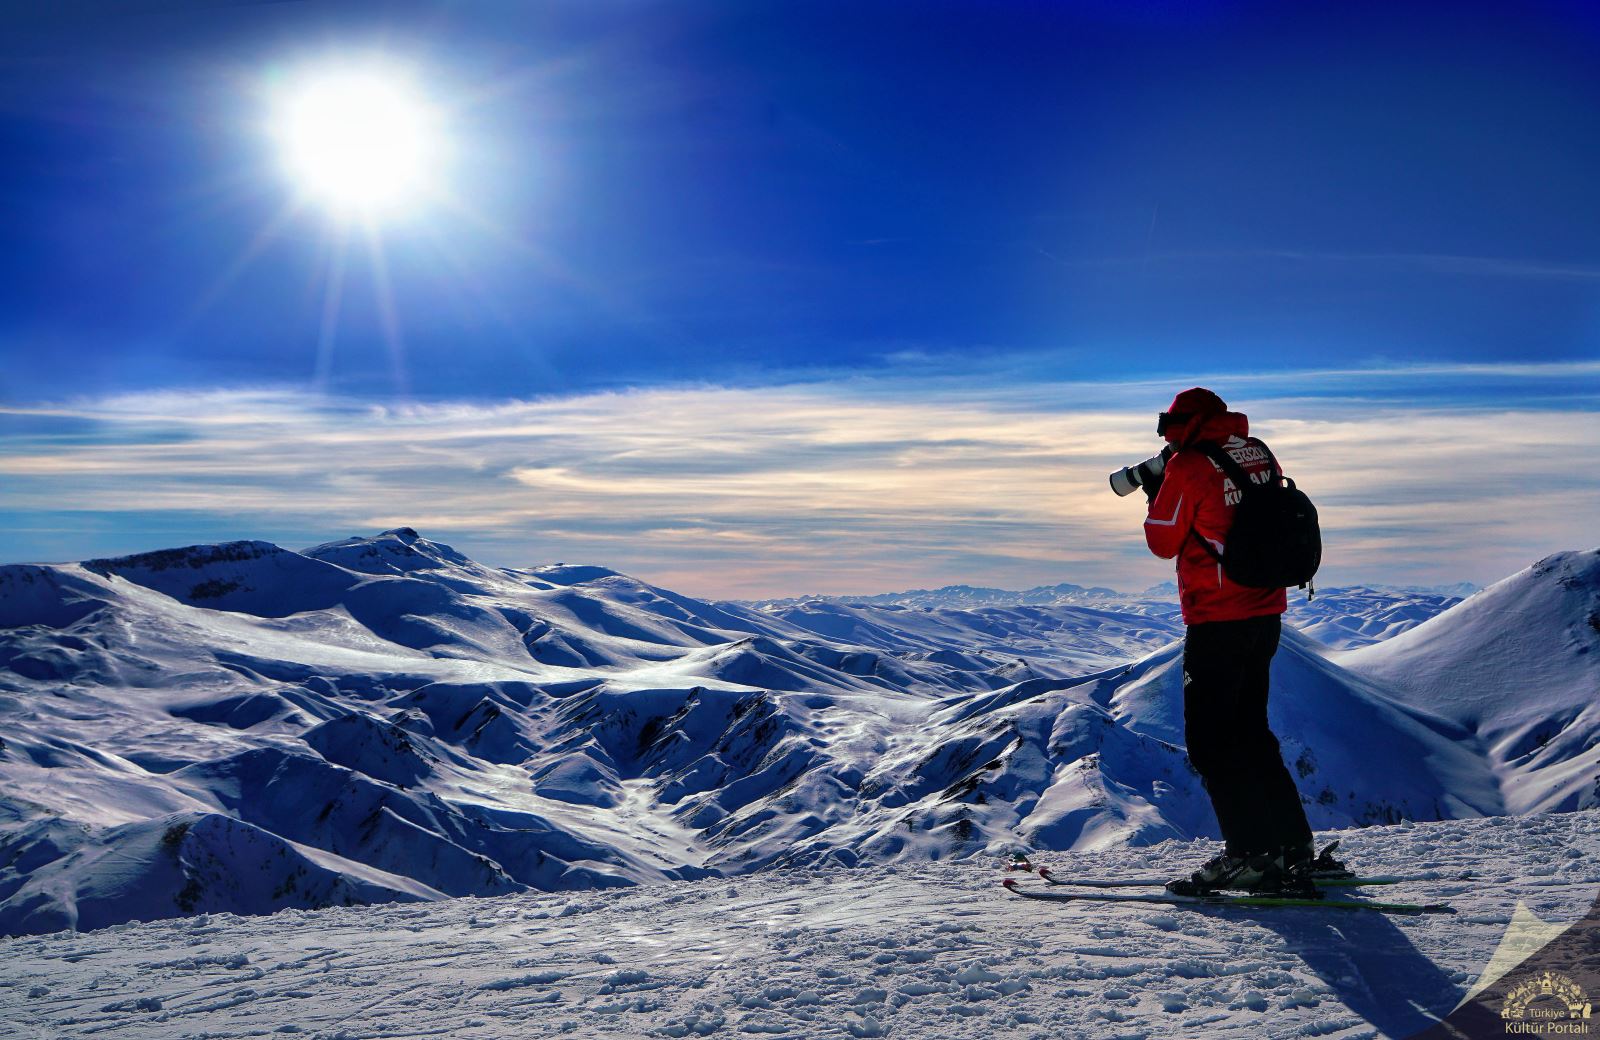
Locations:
column 240, row 728
column 909, row 950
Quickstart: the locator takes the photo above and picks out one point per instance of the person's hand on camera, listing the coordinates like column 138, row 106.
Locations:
column 1152, row 486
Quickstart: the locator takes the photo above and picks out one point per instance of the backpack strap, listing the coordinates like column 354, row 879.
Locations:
column 1207, row 546
column 1235, row 472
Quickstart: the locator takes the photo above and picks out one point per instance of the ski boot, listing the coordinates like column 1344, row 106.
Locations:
column 1284, row 873
column 1288, row 874
column 1325, row 868
column 1214, row 875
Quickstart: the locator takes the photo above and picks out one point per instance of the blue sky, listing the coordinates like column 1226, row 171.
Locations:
column 665, row 221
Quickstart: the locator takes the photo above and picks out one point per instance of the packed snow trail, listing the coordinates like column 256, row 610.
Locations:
column 935, row 950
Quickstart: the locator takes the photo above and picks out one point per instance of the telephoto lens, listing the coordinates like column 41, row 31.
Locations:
column 1129, row 479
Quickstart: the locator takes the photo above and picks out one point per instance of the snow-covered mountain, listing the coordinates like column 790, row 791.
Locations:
column 1518, row 667
column 242, row 728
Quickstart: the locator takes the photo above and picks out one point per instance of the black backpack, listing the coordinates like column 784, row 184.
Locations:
column 1274, row 541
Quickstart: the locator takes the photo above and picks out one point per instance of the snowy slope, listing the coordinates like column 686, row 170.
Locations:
column 915, row 950
column 1517, row 665
column 383, row 718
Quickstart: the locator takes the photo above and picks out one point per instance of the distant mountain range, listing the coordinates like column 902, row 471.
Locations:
column 240, row 727
column 962, row 596
column 968, row 596
column 1340, row 617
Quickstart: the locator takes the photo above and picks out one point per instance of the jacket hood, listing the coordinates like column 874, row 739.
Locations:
column 1208, row 418
column 1197, row 400
column 1218, row 427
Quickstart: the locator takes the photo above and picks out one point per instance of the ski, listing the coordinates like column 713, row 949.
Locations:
column 1221, row 899
column 1331, row 882
column 1336, row 878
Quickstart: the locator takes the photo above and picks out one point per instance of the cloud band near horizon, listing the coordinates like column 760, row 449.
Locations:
column 844, row 486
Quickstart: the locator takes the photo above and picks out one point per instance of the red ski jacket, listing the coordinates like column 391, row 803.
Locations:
column 1196, row 500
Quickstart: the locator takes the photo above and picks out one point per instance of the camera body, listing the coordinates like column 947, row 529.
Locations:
column 1129, row 479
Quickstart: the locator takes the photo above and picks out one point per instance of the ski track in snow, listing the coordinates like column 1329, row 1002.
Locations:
column 908, row 950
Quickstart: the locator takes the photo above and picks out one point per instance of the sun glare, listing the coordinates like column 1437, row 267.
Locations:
column 361, row 141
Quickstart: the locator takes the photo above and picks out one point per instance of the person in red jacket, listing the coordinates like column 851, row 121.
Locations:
column 1233, row 632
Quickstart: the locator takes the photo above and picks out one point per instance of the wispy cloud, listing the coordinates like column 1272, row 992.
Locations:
column 1426, row 263
column 836, row 487
column 1442, row 263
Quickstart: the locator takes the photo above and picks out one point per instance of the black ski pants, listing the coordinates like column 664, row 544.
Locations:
column 1225, row 679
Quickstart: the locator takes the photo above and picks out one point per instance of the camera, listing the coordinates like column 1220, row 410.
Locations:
column 1125, row 481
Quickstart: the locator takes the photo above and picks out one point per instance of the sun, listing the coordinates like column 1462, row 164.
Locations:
column 362, row 141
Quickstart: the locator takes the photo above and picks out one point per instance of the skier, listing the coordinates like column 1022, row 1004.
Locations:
column 1232, row 635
